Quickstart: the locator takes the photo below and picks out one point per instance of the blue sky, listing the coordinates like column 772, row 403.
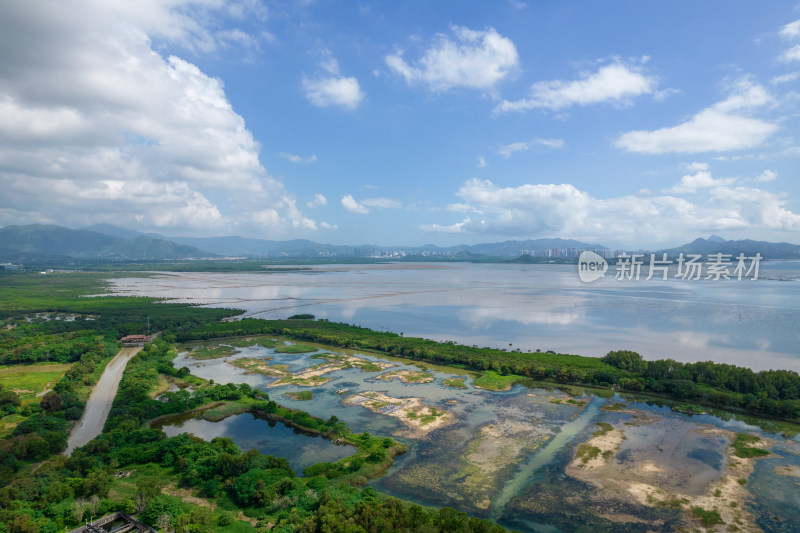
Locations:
column 630, row 124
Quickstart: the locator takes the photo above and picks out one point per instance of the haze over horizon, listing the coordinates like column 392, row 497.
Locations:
column 628, row 125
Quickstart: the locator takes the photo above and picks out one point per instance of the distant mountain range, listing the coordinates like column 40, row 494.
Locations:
column 107, row 242
column 241, row 246
column 715, row 244
column 43, row 242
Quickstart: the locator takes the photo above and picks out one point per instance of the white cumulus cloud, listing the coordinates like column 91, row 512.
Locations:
column 724, row 126
column 766, row 176
column 701, row 179
column 698, row 205
column 474, row 59
column 508, row 149
column 382, row 203
column 351, row 206
column 616, row 82
column 331, row 88
column 318, row 200
column 96, row 125
column 298, row 159
column 792, row 54
column 791, row 30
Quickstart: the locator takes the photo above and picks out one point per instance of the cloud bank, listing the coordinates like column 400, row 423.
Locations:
column 96, row 125
column 698, row 204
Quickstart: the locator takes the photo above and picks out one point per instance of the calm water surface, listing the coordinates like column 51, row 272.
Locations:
column 270, row 438
column 754, row 323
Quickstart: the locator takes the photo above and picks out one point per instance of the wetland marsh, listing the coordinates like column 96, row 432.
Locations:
column 531, row 458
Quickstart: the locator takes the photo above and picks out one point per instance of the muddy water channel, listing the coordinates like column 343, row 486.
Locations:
column 533, row 459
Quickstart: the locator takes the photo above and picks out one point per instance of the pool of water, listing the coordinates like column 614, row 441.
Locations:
column 250, row 432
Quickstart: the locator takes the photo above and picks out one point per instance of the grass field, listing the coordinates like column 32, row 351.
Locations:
column 457, row 383
column 30, row 380
column 266, row 342
column 302, row 395
column 27, row 381
column 295, row 348
column 212, row 352
column 491, row 380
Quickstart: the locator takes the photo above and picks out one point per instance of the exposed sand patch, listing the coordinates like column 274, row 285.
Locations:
column 644, row 483
column 793, row 471
column 499, row 444
column 600, row 451
column 313, row 376
column 418, row 417
column 475, row 472
column 408, row 376
column 650, row 466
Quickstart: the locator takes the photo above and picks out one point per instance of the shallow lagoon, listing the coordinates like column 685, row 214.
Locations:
column 507, row 455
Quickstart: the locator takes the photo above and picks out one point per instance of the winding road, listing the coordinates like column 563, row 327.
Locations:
column 99, row 404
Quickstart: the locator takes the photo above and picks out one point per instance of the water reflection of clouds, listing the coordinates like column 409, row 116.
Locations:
column 543, row 307
column 276, row 292
column 696, row 340
column 476, row 317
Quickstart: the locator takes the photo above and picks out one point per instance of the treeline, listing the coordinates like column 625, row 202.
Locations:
column 117, row 317
column 9, row 402
column 65, row 491
column 44, row 431
column 28, row 344
column 774, row 393
column 535, row 365
column 25, row 295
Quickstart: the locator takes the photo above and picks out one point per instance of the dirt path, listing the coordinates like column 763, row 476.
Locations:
column 99, row 404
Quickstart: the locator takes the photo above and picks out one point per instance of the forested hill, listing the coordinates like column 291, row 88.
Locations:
column 37, row 242
column 714, row 244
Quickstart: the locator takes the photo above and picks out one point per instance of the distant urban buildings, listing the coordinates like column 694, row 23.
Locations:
column 10, row 266
column 570, row 252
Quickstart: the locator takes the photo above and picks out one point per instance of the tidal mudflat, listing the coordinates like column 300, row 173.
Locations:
column 536, row 459
column 547, row 307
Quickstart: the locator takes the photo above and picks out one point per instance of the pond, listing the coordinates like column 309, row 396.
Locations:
column 249, row 432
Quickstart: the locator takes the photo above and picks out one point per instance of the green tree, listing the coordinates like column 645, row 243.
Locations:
column 51, row 402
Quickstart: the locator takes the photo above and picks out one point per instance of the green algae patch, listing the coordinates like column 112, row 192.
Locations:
column 456, row 383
